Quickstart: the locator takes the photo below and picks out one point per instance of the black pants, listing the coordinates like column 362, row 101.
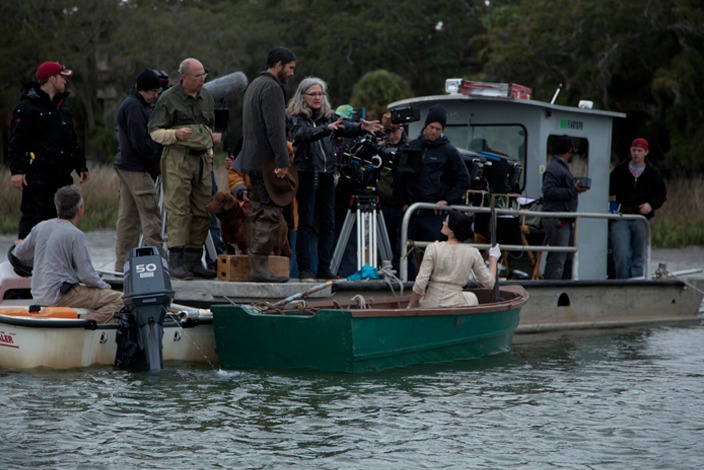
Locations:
column 38, row 200
column 316, row 211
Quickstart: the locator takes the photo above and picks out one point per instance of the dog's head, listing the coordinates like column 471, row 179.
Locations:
column 221, row 202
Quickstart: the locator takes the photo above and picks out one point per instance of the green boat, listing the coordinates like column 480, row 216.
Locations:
column 359, row 337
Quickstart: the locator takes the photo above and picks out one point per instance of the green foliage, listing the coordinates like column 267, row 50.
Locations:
column 377, row 89
column 642, row 58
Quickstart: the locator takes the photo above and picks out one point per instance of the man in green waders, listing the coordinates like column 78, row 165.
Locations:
column 183, row 123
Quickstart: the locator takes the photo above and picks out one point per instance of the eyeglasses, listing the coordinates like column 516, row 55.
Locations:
column 203, row 75
column 315, row 95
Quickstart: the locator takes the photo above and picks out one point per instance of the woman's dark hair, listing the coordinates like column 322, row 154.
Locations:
column 460, row 224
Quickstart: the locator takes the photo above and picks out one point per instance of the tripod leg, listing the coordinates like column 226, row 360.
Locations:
column 342, row 242
column 383, row 236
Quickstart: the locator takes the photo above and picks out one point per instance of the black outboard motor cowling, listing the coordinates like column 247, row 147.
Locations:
column 147, row 295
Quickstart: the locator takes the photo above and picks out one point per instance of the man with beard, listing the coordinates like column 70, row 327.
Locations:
column 264, row 141
column 43, row 147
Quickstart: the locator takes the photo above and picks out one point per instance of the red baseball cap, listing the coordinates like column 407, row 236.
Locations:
column 640, row 142
column 49, row 69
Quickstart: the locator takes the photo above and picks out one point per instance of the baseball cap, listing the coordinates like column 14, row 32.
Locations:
column 344, row 111
column 49, row 69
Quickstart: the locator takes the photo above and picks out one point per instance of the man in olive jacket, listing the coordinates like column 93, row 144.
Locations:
column 264, row 137
column 183, row 123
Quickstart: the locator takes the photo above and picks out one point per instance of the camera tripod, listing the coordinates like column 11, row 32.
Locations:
column 372, row 237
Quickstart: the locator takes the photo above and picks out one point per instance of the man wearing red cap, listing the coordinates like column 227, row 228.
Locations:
column 43, row 147
column 639, row 188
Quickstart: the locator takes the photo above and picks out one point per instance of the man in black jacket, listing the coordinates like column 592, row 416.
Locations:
column 43, row 147
column 438, row 176
column 136, row 163
column 638, row 188
column 560, row 192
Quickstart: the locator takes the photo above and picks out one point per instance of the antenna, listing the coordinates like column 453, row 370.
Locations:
column 557, row 92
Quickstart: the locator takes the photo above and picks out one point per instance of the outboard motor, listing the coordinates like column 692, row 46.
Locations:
column 147, row 295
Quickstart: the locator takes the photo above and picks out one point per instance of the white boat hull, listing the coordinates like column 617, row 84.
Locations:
column 27, row 343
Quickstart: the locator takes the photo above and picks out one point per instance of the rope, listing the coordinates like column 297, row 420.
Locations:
column 390, row 278
column 361, row 301
column 663, row 272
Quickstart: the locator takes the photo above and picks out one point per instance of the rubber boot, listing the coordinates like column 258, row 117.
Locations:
column 259, row 269
column 195, row 265
column 178, row 267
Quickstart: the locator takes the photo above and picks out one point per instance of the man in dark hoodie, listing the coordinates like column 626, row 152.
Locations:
column 43, row 147
column 439, row 176
column 136, row 163
column 638, row 188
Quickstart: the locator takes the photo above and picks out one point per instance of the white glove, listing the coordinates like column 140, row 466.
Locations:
column 495, row 251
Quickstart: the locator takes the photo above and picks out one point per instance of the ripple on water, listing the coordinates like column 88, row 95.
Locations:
column 623, row 399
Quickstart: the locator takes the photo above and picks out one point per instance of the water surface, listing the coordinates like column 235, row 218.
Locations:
column 611, row 400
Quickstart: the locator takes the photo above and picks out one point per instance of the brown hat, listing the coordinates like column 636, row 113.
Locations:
column 281, row 190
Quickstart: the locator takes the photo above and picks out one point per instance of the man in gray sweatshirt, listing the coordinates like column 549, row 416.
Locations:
column 63, row 274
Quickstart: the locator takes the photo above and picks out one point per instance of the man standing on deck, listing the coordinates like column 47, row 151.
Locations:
column 264, row 141
column 136, row 165
column 183, row 123
column 638, row 188
column 560, row 191
column 43, row 147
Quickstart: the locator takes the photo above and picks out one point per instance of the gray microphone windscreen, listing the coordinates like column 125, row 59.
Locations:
column 227, row 85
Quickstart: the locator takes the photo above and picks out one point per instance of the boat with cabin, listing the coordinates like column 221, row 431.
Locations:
column 505, row 138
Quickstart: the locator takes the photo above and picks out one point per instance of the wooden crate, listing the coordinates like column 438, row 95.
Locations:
column 236, row 267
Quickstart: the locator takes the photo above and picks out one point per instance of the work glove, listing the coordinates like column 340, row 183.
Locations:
column 495, row 251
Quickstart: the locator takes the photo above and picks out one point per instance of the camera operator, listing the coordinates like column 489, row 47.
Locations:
column 313, row 129
column 396, row 138
column 438, row 176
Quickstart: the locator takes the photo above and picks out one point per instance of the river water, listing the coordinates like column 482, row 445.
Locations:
column 580, row 400
column 590, row 400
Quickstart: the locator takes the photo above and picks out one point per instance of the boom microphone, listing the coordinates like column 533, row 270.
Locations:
column 227, row 85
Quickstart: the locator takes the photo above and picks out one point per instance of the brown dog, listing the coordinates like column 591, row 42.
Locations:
column 234, row 223
column 235, row 228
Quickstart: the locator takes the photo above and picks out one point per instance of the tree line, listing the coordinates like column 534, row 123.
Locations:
column 645, row 59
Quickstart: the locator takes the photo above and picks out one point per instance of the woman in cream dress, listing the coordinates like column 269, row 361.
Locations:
column 446, row 266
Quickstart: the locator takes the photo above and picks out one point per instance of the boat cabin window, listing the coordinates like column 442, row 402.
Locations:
column 506, row 139
column 579, row 165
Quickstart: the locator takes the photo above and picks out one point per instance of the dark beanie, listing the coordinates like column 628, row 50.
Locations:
column 436, row 113
column 148, row 80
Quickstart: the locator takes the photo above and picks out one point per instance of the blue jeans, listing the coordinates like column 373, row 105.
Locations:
column 629, row 241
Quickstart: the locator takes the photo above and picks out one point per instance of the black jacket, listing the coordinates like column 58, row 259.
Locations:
column 559, row 191
column 314, row 145
column 138, row 152
column 43, row 129
column 631, row 192
column 436, row 173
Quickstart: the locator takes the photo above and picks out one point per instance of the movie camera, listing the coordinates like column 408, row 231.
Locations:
column 497, row 174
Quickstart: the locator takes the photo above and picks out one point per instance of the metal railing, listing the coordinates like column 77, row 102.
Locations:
column 577, row 216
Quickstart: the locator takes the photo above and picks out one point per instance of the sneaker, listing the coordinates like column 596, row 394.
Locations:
column 305, row 276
